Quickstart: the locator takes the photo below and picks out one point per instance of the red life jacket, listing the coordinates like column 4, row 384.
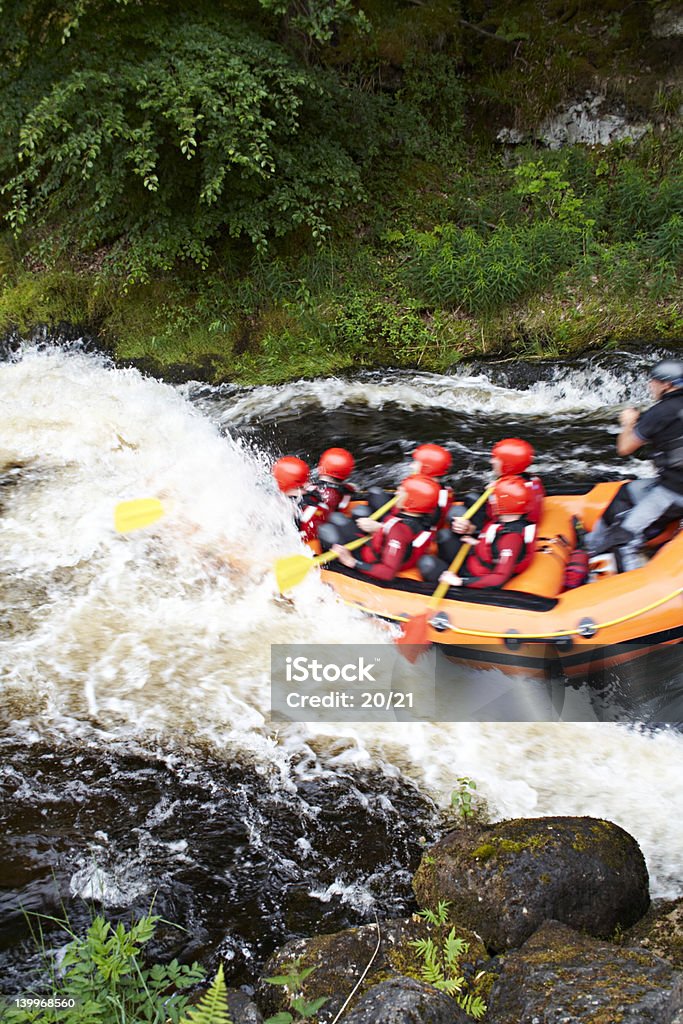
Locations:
column 490, row 545
column 336, row 495
column 537, row 495
column 398, row 545
column 317, row 504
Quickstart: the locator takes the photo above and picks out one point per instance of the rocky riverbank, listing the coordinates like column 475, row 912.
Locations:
column 542, row 920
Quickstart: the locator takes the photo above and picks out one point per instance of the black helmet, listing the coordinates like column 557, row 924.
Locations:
column 669, row 371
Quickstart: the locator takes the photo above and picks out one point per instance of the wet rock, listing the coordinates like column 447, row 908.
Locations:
column 668, row 20
column 339, row 960
column 561, row 977
column 241, row 1008
column 406, row 1001
column 504, row 880
column 661, row 931
column 590, row 121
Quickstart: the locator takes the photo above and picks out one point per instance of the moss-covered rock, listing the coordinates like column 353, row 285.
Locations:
column 561, row 976
column 406, row 1001
column 339, row 960
column 661, row 931
column 504, row 880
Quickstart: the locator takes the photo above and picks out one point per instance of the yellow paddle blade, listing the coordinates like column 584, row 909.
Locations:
column 290, row 571
column 133, row 515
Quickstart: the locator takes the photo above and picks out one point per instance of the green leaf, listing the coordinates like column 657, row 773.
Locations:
column 313, row 1006
column 212, row 1008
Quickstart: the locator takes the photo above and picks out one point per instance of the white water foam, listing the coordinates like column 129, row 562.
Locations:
column 591, row 391
column 167, row 628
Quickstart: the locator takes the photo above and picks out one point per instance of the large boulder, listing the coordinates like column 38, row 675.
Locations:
column 504, row 880
column 561, row 977
column 406, row 1001
column 339, row 960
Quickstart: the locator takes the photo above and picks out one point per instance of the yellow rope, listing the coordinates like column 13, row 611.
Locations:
column 528, row 636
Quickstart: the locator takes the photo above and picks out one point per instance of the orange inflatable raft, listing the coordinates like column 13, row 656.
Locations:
column 531, row 623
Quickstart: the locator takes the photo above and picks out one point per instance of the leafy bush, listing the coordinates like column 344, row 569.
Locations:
column 667, row 241
column 366, row 326
column 433, row 89
column 639, row 203
column 157, row 130
column 105, row 978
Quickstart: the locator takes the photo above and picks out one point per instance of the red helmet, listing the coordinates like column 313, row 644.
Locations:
column 290, row 472
column 511, row 496
column 419, row 494
column 514, row 454
column 432, row 459
column 336, row 462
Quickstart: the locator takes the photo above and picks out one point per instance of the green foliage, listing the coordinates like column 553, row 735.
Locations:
column 433, row 89
column 463, row 797
column 299, row 194
column 453, row 267
column 442, row 959
column 366, row 325
column 560, row 212
column 510, row 31
column 158, row 131
column 667, row 241
column 548, row 188
column 292, row 982
column 317, row 21
column 105, row 977
column 639, row 203
column 212, row 1007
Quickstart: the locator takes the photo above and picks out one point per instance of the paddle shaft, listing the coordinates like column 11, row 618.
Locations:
column 440, row 591
column 329, row 556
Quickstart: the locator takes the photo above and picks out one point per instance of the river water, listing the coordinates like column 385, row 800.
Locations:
column 138, row 762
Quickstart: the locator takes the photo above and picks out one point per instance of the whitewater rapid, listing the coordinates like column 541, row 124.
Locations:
column 163, row 635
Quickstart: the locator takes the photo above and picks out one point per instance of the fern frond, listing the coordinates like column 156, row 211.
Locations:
column 432, row 973
column 423, row 946
column 451, row 986
column 212, row 1008
column 442, row 911
column 474, row 1006
column 454, row 948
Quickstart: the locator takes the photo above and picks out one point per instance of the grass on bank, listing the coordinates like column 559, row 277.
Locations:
column 168, row 324
column 544, row 256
